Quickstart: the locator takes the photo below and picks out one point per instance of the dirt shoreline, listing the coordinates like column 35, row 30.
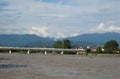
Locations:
column 40, row 66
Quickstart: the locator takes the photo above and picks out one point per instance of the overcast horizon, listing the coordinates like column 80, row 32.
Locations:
column 59, row 18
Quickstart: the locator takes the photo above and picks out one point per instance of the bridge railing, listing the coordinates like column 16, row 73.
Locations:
column 28, row 49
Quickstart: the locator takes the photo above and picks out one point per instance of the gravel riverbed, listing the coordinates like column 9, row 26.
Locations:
column 38, row 66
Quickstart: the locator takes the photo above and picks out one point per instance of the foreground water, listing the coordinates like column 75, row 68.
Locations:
column 37, row 66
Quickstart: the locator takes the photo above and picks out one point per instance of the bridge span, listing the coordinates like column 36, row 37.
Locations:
column 45, row 50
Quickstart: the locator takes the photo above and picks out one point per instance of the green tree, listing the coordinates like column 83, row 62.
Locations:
column 111, row 46
column 99, row 50
column 88, row 50
column 67, row 44
column 58, row 44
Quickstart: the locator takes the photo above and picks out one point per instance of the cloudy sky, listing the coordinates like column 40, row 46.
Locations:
column 59, row 18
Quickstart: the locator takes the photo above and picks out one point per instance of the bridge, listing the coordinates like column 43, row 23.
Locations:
column 44, row 50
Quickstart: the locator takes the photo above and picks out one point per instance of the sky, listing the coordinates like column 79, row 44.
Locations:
column 59, row 18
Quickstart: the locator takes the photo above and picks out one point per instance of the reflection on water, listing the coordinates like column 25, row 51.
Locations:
column 12, row 66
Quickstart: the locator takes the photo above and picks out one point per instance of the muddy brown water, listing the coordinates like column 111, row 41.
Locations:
column 38, row 66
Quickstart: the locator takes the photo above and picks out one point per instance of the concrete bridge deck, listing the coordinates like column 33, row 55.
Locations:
column 28, row 49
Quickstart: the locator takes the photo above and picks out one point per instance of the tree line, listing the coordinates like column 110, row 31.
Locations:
column 110, row 46
column 62, row 44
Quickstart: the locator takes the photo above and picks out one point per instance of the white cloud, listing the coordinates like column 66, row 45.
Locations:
column 60, row 15
column 113, row 28
column 102, row 28
column 60, row 35
column 76, row 34
column 41, row 31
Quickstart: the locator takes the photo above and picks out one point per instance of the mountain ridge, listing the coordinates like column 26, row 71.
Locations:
column 23, row 40
column 32, row 40
column 97, row 38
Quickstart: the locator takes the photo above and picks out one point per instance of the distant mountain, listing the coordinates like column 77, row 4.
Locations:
column 94, row 39
column 29, row 40
column 25, row 40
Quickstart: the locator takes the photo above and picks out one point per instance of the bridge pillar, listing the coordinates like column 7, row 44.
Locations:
column 53, row 51
column 45, row 52
column 10, row 52
column 62, row 53
column 77, row 53
column 28, row 52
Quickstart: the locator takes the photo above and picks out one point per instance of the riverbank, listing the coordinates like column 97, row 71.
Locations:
column 40, row 66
